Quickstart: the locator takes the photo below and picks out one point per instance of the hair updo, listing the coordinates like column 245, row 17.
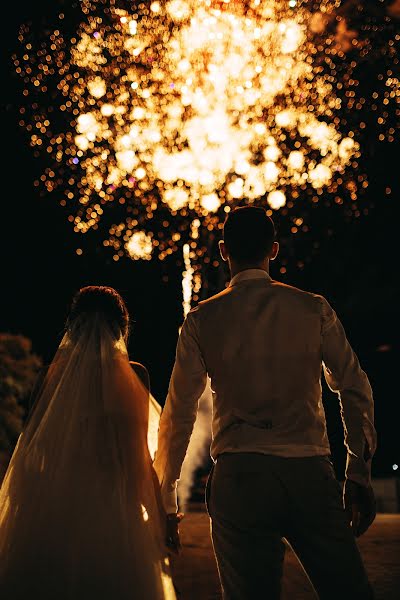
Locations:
column 104, row 300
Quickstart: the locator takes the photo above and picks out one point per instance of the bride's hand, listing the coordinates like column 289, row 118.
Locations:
column 172, row 532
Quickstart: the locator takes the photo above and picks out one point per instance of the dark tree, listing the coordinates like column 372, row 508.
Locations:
column 18, row 370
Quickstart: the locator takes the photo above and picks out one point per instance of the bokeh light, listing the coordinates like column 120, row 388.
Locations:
column 175, row 112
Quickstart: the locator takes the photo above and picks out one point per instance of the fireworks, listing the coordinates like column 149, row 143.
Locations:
column 140, row 246
column 179, row 111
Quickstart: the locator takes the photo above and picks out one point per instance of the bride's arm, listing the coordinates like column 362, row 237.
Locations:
column 142, row 373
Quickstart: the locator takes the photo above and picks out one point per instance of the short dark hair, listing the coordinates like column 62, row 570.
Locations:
column 102, row 299
column 249, row 234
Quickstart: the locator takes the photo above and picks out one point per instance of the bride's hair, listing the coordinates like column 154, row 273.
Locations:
column 101, row 300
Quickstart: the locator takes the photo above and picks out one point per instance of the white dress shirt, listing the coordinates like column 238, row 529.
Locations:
column 263, row 344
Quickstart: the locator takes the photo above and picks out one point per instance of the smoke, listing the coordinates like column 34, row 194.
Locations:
column 393, row 9
column 153, row 425
column 344, row 36
column 354, row 23
column 198, row 449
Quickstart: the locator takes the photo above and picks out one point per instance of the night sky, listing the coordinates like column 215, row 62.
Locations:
column 355, row 267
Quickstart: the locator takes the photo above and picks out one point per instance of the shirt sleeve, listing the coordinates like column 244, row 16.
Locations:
column 188, row 381
column 344, row 376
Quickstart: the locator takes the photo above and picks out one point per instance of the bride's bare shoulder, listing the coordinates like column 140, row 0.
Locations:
column 141, row 372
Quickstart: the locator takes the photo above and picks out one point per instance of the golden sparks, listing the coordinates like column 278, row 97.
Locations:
column 181, row 110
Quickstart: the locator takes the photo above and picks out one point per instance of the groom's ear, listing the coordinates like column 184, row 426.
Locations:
column 274, row 251
column 223, row 250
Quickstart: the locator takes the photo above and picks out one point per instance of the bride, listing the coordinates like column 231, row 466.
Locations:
column 80, row 510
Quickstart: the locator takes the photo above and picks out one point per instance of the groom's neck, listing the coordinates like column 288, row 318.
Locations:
column 236, row 267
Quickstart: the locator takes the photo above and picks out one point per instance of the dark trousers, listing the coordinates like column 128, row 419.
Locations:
column 255, row 501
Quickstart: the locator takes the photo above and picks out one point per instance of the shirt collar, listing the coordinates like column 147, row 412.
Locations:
column 249, row 274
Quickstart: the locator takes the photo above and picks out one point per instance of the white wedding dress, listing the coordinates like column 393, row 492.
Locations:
column 80, row 512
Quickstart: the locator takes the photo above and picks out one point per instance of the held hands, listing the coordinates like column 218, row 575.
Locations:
column 360, row 506
column 172, row 532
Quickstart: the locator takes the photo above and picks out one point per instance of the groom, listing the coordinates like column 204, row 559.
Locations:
column 263, row 344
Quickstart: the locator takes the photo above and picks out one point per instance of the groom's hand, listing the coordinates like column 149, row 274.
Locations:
column 172, row 532
column 360, row 506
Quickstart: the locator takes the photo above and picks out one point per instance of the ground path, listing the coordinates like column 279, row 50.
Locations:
column 197, row 579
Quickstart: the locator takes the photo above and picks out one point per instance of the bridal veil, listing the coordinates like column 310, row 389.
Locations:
column 80, row 513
